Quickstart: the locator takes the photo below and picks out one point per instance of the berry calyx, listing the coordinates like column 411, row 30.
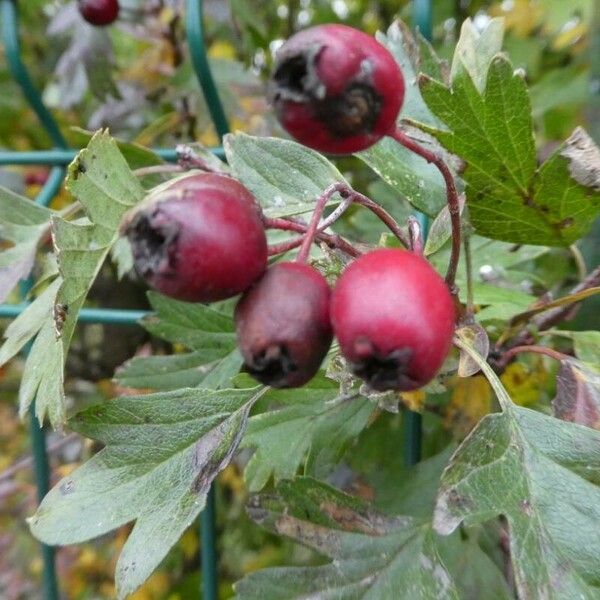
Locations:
column 199, row 239
column 336, row 89
column 99, row 12
column 394, row 318
column 283, row 325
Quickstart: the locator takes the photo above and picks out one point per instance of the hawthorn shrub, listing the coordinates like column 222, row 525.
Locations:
column 438, row 323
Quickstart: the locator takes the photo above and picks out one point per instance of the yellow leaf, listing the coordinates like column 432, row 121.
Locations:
column 413, row 400
column 189, row 543
column 471, row 400
column 524, row 384
column 222, row 49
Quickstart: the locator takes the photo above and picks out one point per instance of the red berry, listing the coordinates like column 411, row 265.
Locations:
column 99, row 12
column 200, row 239
column 283, row 325
column 394, row 318
column 336, row 89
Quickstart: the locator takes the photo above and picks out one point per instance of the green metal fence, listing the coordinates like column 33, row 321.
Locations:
column 60, row 156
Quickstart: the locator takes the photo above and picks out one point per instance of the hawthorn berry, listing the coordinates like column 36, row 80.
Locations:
column 336, row 89
column 200, row 239
column 394, row 318
column 99, row 12
column 283, row 325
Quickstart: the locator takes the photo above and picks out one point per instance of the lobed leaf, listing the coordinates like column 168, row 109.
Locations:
column 22, row 223
column 313, row 420
column 101, row 180
column 542, row 475
column 159, row 477
column 509, row 197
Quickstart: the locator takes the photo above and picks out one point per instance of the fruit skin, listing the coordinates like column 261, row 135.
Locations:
column 99, row 12
column 200, row 239
column 394, row 318
column 283, row 325
column 336, row 89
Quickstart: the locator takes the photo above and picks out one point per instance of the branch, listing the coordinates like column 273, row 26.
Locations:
column 451, row 196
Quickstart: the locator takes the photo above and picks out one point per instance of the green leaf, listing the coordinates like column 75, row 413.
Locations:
column 409, row 174
column 441, row 228
column 159, row 477
column 373, row 556
column 509, row 197
column 207, row 331
column 101, row 180
column 136, row 156
column 313, row 419
column 475, row 50
column 587, row 344
column 23, row 223
column 548, row 473
column 29, row 322
column 284, row 176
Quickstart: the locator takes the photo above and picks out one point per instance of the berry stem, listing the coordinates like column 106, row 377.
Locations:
column 313, row 226
column 537, row 349
column 470, row 309
column 383, row 215
column 451, row 196
column 332, row 240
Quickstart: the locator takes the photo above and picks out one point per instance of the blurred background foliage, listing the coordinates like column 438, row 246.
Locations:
column 136, row 79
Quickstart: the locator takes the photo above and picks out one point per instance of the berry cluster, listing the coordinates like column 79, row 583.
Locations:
column 202, row 237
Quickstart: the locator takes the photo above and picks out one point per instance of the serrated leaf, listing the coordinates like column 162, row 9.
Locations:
column 509, row 197
column 409, row 174
column 476, row 49
column 158, row 477
column 22, row 222
column 577, row 394
column 29, row 322
column 101, row 180
column 209, row 332
column 548, row 472
column 314, row 419
column 284, row 176
column 373, row 556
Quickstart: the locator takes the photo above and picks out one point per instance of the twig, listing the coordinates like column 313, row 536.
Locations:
column 451, row 196
column 532, row 348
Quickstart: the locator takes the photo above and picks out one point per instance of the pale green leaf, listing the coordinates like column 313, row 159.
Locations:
column 548, row 473
column 284, row 176
column 159, row 477
column 475, row 50
column 101, row 180
column 587, row 344
column 373, row 556
column 29, row 322
column 313, row 419
column 23, row 223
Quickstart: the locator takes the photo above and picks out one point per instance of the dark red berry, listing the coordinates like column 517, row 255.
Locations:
column 336, row 89
column 99, row 12
column 394, row 318
column 200, row 239
column 283, row 325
